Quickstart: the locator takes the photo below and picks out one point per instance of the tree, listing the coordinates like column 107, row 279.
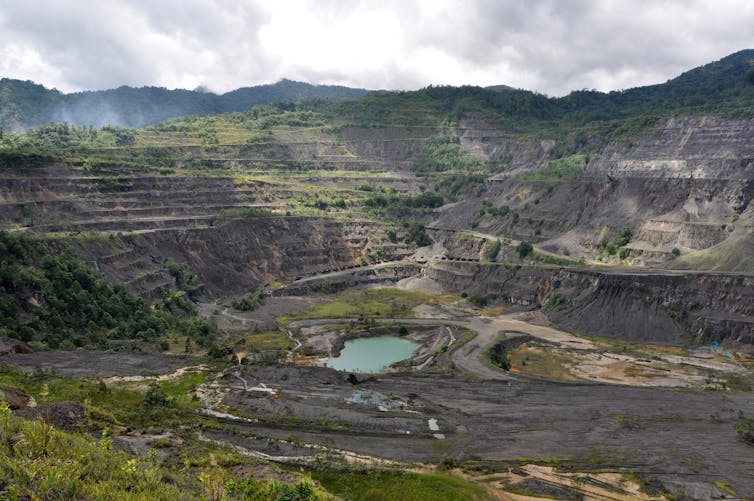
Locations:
column 524, row 248
column 155, row 397
column 492, row 249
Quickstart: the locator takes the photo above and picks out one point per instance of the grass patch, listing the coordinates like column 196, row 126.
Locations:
column 541, row 362
column 405, row 486
column 725, row 488
column 52, row 464
column 265, row 341
column 385, row 303
column 116, row 403
column 561, row 169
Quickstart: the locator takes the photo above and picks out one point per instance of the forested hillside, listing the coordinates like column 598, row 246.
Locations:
column 24, row 104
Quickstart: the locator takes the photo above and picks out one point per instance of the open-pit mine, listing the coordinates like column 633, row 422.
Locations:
column 565, row 312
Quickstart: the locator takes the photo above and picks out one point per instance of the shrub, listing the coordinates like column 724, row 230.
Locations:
column 492, row 249
column 524, row 249
column 447, row 462
column 745, row 430
column 616, row 244
column 557, row 302
column 501, row 360
column 249, row 302
column 477, row 301
column 155, row 397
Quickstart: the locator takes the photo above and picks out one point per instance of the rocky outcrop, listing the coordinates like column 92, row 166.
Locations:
column 662, row 307
column 15, row 398
column 238, row 255
column 512, row 152
column 684, row 147
column 357, row 277
column 393, row 146
column 662, row 213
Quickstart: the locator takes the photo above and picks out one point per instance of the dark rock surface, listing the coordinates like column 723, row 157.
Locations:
column 649, row 306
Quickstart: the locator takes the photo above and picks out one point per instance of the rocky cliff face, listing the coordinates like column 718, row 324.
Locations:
column 391, row 146
column 237, row 256
column 685, row 147
column 662, row 213
column 513, row 152
column 661, row 307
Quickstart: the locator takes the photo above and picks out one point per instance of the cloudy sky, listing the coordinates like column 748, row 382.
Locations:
column 551, row 46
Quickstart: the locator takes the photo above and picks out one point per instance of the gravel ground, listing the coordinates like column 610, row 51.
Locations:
column 86, row 363
column 670, row 437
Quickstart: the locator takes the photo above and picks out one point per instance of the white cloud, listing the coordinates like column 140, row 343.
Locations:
column 551, row 46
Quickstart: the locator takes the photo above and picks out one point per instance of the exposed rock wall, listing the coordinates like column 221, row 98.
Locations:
column 352, row 279
column 513, row 152
column 238, row 255
column 394, row 146
column 661, row 307
column 685, row 147
column 662, row 213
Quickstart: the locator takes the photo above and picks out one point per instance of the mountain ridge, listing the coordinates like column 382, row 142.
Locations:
column 25, row 104
column 723, row 86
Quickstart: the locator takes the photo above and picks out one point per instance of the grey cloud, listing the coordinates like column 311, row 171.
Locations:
column 551, row 46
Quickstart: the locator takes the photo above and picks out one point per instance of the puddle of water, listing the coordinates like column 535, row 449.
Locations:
column 372, row 355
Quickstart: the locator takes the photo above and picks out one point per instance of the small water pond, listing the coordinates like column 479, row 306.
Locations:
column 372, row 354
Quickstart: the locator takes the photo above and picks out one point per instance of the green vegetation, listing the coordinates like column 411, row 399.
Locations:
column 477, row 301
column 745, row 430
column 444, row 153
column 249, row 302
column 561, row 169
column 557, row 302
column 735, row 253
column 452, row 183
column 395, row 204
column 617, row 245
column 501, row 211
column 367, row 303
column 542, row 362
column 184, row 276
column 404, row 486
column 39, row 462
column 524, row 248
column 29, row 104
column 501, row 360
column 404, row 210
column 321, row 202
column 492, row 249
column 266, row 341
column 52, row 299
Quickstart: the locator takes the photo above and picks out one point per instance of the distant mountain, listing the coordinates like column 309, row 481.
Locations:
column 724, row 87
column 25, row 104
